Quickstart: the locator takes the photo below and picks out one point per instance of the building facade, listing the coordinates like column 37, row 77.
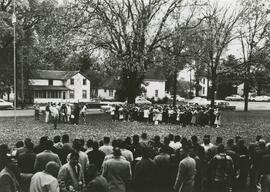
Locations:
column 59, row 86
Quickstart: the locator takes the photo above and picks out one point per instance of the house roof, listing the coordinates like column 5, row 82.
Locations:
column 110, row 83
column 154, row 74
column 50, row 87
column 53, row 74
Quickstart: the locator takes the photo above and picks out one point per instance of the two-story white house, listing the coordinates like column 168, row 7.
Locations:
column 59, row 86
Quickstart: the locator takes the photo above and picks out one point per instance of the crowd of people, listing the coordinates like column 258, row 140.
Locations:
column 62, row 113
column 182, row 114
column 137, row 164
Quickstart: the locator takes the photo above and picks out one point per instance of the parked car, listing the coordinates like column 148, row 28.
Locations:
column 234, row 98
column 224, row 105
column 142, row 100
column 260, row 98
column 4, row 104
column 199, row 101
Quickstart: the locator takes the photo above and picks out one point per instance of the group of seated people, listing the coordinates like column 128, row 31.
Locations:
column 181, row 114
column 136, row 164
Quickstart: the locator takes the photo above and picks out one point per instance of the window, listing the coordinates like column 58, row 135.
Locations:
column 71, row 94
column 71, row 81
column 156, row 93
column 84, row 94
column 84, row 81
column 111, row 93
column 50, row 82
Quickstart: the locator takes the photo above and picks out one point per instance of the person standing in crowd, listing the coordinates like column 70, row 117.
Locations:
column 46, row 180
column 47, row 112
column 117, row 171
column 218, row 118
column 44, row 157
column 68, row 112
column 55, row 115
column 95, row 181
column 221, row 171
column 71, row 175
column 9, row 176
column 37, row 110
column 106, row 147
column 186, row 173
column 83, row 113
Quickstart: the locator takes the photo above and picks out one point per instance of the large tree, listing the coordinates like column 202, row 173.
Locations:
column 253, row 29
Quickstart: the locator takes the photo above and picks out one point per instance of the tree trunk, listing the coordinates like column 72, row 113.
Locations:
column 174, row 87
column 213, row 89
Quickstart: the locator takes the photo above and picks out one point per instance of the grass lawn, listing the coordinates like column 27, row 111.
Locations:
column 247, row 125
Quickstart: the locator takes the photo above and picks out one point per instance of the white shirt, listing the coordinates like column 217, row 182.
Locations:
column 44, row 182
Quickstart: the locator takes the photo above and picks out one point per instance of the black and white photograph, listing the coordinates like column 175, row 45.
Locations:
column 134, row 95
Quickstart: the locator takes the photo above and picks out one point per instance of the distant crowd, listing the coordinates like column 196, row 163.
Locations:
column 62, row 113
column 137, row 164
column 182, row 114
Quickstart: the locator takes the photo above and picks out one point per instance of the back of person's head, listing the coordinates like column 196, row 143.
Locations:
column 19, row 144
column 220, row 148
column 29, row 145
column 145, row 152
column 177, row 138
column 4, row 149
column 194, row 139
column 89, row 143
column 26, row 140
column 52, row 168
column 166, row 141
column 48, row 145
column 219, row 140
column 171, row 137
column 57, row 139
column 116, row 152
column 157, row 139
column 76, row 144
column 95, row 145
column 43, row 140
column 144, row 136
column 65, row 138
column 136, row 138
column 106, row 140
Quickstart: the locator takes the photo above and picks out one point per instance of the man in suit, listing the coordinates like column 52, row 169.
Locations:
column 9, row 175
column 117, row 171
column 44, row 157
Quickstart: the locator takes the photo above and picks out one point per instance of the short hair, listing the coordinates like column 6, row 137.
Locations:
column 89, row 143
column 106, row 140
column 221, row 148
column 65, row 138
column 144, row 136
column 56, row 139
column 29, row 145
column 95, row 145
column 48, row 145
column 19, row 144
column 177, row 138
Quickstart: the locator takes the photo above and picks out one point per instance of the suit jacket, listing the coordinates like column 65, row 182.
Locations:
column 118, row 174
column 26, row 161
column 43, row 158
column 98, row 184
column 8, row 181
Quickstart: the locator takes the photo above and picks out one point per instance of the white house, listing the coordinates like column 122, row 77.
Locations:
column 189, row 76
column 59, row 86
column 154, row 85
column 108, row 88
